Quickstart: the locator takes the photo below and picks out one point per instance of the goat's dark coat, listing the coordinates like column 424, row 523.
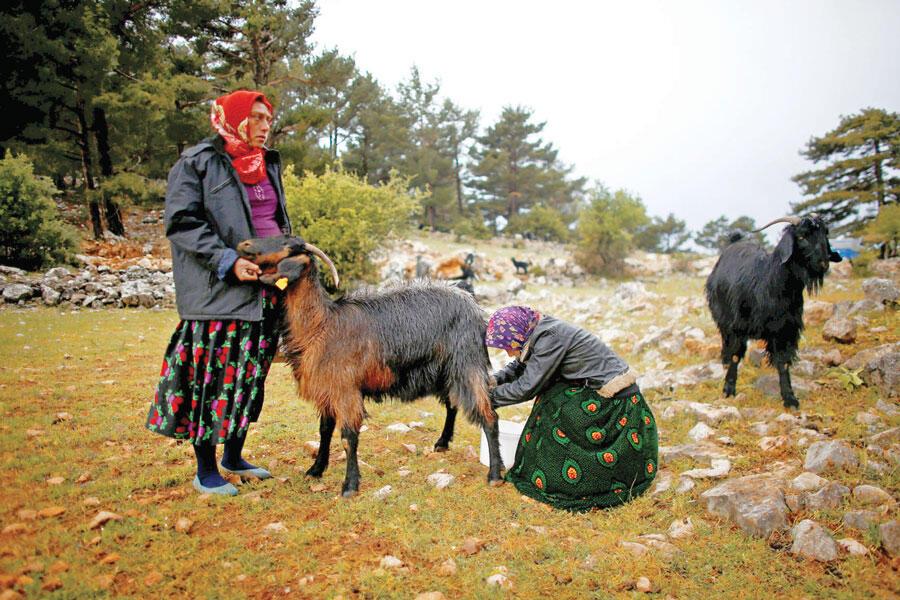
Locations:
column 756, row 295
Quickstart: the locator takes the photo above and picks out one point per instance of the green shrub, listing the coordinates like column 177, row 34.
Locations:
column 348, row 218
column 131, row 188
column 541, row 221
column 31, row 234
column 471, row 227
column 862, row 261
column 606, row 231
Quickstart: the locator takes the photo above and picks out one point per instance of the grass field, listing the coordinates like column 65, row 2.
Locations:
column 74, row 394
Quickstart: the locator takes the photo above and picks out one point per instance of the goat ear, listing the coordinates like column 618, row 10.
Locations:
column 785, row 247
column 834, row 256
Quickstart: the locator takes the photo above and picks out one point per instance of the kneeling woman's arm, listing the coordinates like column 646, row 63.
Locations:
column 521, row 380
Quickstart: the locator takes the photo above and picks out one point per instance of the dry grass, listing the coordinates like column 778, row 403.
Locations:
column 100, row 367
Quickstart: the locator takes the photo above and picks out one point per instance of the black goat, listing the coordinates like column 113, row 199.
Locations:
column 756, row 295
column 521, row 266
column 406, row 341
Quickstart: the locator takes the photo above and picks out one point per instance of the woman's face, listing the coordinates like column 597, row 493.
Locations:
column 258, row 124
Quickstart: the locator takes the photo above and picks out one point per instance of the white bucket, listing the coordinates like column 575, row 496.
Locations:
column 510, row 432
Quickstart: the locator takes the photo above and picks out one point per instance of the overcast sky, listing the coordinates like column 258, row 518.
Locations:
column 699, row 107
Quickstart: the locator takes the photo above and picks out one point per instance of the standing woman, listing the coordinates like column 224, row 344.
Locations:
column 591, row 440
column 222, row 191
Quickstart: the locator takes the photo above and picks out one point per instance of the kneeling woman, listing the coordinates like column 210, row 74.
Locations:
column 591, row 439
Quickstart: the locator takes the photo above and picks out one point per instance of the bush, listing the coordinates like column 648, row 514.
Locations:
column 542, row 222
column 471, row 227
column 346, row 217
column 131, row 188
column 606, row 231
column 31, row 234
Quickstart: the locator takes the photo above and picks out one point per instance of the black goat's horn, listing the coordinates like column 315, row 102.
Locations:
column 326, row 260
column 791, row 220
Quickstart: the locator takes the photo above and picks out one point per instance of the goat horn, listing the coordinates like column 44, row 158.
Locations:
column 791, row 220
column 326, row 260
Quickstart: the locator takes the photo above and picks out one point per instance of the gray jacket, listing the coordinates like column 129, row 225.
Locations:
column 555, row 351
column 207, row 215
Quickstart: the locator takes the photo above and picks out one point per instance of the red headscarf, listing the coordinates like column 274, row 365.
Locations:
column 229, row 117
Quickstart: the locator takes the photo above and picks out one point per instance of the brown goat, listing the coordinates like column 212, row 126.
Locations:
column 407, row 342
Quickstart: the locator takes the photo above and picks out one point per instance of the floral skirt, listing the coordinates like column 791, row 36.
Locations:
column 579, row 450
column 211, row 385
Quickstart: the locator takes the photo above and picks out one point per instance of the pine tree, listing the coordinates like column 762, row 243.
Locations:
column 717, row 234
column 861, row 171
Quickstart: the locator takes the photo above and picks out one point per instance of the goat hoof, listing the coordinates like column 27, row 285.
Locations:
column 313, row 472
column 792, row 405
column 439, row 447
column 496, row 482
column 349, row 493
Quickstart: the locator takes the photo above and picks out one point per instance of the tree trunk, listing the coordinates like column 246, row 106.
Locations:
column 459, row 193
column 879, row 177
column 87, row 169
column 110, row 206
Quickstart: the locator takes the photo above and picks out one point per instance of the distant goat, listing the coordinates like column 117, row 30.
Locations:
column 756, row 295
column 406, row 341
column 521, row 266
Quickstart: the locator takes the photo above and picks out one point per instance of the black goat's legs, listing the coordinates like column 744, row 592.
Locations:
column 326, row 429
column 733, row 350
column 784, row 383
column 492, row 432
column 443, row 443
column 350, row 439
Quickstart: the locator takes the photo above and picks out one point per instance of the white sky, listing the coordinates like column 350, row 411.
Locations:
column 700, row 107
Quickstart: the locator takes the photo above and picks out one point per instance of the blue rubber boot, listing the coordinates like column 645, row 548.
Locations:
column 233, row 463
column 208, row 480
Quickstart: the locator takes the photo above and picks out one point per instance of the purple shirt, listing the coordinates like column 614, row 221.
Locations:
column 263, row 207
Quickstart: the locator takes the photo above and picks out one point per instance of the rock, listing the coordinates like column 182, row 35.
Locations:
column 447, row 568
column 812, row 541
column 867, row 418
column 830, row 496
column 720, row 468
column 383, row 493
column 709, row 414
column 888, row 408
column 184, row 525
column 860, row 519
column 312, row 448
column 771, row 443
column 768, row 384
column 50, row 296
column 882, row 291
column 886, row 437
column 103, row 517
column 398, row 428
column 681, row 528
column 663, row 482
column 472, row 546
column 879, row 366
column 817, row 311
column 634, row 548
column 431, row 596
column 890, row 537
column 754, row 502
column 390, row 562
column 701, row 451
column 411, row 448
column 685, row 484
column 275, row 528
column 643, row 585
column 700, row 432
column 17, row 291
column 870, row 495
column 839, row 330
column 836, row 454
column 853, row 547
column 807, row 482
column 499, row 580
column 760, row 428
column 440, row 480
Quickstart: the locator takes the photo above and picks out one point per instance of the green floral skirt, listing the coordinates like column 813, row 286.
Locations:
column 580, row 451
column 211, row 383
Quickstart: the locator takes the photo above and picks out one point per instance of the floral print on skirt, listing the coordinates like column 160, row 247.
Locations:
column 211, row 385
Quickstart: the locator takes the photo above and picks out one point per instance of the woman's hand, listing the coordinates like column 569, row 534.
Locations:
column 245, row 270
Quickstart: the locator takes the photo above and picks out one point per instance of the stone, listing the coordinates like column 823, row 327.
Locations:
column 701, row 452
column 817, row 311
column 499, row 580
column 755, row 503
column 390, row 562
column 769, row 385
column 890, row 537
column 440, row 480
column 839, row 330
column 830, row 496
column 859, row 519
column 720, row 468
column 888, row 408
column 184, row 525
column 685, row 484
column 700, row 432
column 681, row 528
column 823, row 456
column 434, row 595
column 275, row 528
column 50, row 296
column 643, row 585
column 17, row 291
column 447, row 568
column 812, row 541
column 772, row 443
column 103, row 517
column 882, row 291
column 867, row 418
column 383, row 493
column 853, row 547
column 398, row 428
column 870, row 495
column 635, row 548
column 807, row 482
column 886, row 437
column 663, row 482
column 885, row 374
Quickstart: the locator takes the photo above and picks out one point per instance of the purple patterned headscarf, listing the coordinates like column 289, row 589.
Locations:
column 509, row 328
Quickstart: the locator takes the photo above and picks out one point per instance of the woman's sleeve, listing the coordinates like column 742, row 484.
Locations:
column 546, row 356
column 187, row 224
column 509, row 372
